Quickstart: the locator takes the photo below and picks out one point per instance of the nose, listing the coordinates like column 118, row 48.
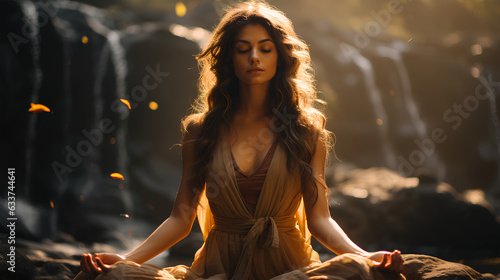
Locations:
column 254, row 58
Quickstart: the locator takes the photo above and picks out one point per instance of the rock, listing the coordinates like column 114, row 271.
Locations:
column 422, row 267
column 23, row 267
column 489, row 276
column 380, row 209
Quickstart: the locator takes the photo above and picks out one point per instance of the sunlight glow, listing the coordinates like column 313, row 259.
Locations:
column 180, row 9
column 475, row 72
column 476, row 49
column 153, row 105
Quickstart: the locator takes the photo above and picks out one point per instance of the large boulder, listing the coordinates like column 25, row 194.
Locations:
column 380, row 209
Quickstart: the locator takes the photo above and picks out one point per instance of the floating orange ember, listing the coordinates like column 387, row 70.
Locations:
column 51, row 204
column 126, row 102
column 38, row 108
column 125, row 215
column 116, row 176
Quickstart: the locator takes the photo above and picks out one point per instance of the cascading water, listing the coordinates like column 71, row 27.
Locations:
column 119, row 63
column 375, row 98
column 30, row 13
column 488, row 84
column 394, row 53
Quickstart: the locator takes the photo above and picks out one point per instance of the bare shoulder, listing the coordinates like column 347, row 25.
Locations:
column 192, row 128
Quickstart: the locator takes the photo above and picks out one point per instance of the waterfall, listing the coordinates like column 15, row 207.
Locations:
column 115, row 49
column 394, row 54
column 495, row 187
column 66, row 34
column 375, row 97
column 31, row 19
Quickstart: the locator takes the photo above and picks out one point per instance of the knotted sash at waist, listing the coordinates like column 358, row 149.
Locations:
column 263, row 231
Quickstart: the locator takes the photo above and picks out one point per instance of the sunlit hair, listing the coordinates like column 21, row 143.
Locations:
column 293, row 91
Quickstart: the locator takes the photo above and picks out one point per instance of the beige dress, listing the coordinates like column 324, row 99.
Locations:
column 272, row 242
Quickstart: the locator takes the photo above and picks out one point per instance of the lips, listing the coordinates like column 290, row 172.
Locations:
column 255, row 70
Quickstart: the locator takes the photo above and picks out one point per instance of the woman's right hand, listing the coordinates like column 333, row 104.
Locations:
column 99, row 263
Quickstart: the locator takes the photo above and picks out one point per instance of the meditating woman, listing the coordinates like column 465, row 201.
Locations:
column 253, row 168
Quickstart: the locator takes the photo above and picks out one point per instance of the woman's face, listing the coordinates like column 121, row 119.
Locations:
column 254, row 56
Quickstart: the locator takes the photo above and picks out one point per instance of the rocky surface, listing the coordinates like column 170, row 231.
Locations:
column 422, row 267
column 382, row 210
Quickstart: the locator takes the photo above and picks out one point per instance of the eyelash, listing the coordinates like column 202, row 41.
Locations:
column 245, row 51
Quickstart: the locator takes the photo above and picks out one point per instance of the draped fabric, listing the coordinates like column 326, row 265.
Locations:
column 271, row 242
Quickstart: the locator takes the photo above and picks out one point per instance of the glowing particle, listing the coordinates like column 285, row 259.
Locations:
column 475, row 72
column 476, row 49
column 38, row 108
column 125, row 215
column 474, row 196
column 51, row 204
column 153, row 105
column 126, row 102
column 180, row 9
column 379, row 121
column 116, row 176
column 410, row 39
column 112, row 140
column 85, row 40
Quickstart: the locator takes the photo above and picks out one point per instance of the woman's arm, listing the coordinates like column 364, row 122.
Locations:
column 176, row 227
column 327, row 231
column 320, row 223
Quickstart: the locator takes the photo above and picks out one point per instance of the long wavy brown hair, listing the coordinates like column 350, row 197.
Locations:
column 293, row 91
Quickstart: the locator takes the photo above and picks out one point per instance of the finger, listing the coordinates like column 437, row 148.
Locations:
column 396, row 264
column 381, row 265
column 93, row 267
column 82, row 262
column 399, row 262
column 385, row 260
column 85, row 263
column 101, row 264
column 397, row 259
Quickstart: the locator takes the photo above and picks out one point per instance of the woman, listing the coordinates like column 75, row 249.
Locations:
column 254, row 157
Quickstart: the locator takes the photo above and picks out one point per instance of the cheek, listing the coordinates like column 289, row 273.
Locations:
column 238, row 63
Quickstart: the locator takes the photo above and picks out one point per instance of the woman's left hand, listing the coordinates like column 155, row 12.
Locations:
column 387, row 261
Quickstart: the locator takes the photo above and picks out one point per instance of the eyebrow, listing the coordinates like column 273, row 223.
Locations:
column 260, row 42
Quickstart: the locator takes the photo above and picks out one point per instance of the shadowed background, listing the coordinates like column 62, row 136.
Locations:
column 412, row 89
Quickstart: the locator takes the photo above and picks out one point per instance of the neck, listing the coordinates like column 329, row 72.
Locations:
column 253, row 101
